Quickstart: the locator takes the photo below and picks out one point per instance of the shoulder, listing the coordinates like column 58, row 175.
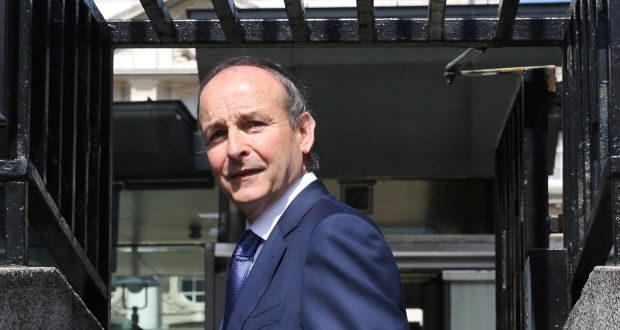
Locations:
column 329, row 214
column 345, row 233
column 347, row 254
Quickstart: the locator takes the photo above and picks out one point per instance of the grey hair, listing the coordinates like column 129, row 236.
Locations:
column 295, row 101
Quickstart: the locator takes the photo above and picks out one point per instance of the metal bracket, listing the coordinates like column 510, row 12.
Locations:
column 499, row 71
column 453, row 68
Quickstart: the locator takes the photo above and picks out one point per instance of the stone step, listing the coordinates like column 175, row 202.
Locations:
column 599, row 304
column 40, row 298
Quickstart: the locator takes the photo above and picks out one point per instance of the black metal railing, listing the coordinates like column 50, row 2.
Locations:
column 529, row 285
column 56, row 171
column 591, row 137
column 591, row 164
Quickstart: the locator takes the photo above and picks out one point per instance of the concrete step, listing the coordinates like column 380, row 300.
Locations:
column 599, row 304
column 40, row 298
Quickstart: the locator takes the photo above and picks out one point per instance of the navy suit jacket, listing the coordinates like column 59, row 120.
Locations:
column 324, row 266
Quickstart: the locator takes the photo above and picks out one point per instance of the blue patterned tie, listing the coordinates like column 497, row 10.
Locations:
column 239, row 268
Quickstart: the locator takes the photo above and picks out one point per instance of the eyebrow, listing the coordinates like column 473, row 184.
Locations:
column 243, row 115
column 213, row 124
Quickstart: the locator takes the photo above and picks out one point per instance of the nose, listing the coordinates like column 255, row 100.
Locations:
column 237, row 146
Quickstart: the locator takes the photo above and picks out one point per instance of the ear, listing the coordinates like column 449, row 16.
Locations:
column 305, row 129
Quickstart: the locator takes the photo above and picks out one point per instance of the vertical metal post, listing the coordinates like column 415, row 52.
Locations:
column 231, row 222
column 5, row 40
column 116, row 193
column 16, row 192
column 83, row 129
column 548, row 274
column 535, row 191
column 56, row 101
column 615, row 195
column 16, row 221
column 94, row 139
column 69, row 116
column 20, row 127
column 593, row 104
column 223, row 223
column 580, row 131
column 571, row 241
column 602, row 43
column 106, row 193
column 210, row 287
column 586, row 134
column 613, row 21
column 40, row 85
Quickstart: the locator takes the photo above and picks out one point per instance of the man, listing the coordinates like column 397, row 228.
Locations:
column 307, row 260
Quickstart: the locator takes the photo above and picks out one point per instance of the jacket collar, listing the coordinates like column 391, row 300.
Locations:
column 301, row 205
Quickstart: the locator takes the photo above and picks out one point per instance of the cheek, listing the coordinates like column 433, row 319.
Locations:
column 215, row 160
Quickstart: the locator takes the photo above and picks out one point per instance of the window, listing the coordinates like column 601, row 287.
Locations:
column 193, row 288
column 357, row 194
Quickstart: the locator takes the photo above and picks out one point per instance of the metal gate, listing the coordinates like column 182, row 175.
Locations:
column 56, row 174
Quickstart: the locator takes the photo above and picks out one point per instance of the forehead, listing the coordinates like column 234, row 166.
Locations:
column 240, row 88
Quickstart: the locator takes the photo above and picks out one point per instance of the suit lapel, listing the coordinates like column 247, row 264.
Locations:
column 266, row 265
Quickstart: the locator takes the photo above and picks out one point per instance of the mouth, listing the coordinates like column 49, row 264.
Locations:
column 243, row 173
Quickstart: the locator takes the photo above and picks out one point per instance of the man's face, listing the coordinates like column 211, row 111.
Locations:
column 254, row 153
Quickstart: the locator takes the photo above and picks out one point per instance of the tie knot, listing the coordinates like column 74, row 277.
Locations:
column 247, row 244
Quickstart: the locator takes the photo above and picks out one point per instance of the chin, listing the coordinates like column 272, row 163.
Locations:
column 243, row 198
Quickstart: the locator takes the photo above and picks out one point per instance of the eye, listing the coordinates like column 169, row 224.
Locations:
column 216, row 135
column 255, row 124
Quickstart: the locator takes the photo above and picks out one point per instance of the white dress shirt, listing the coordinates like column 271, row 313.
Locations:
column 264, row 224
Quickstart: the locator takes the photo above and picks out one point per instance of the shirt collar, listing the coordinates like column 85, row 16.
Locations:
column 264, row 224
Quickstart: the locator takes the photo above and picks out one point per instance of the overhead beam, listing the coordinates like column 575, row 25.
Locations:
column 506, row 13
column 366, row 19
column 229, row 20
column 160, row 17
column 436, row 17
column 471, row 32
column 297, row 19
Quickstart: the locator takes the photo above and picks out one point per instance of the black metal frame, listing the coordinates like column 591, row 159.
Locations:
column 57, row 176
column 370, row 28
column 529, row 32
